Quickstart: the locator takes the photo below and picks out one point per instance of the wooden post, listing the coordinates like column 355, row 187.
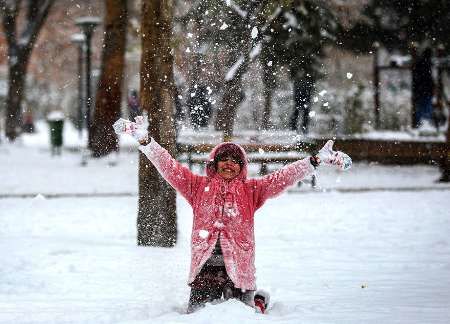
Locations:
column 445, row 177
column 445, row 165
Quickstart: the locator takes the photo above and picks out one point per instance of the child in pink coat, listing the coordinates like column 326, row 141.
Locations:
column 224, row 202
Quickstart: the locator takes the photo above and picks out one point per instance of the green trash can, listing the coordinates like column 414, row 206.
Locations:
column 56, row 129
column 56, row 126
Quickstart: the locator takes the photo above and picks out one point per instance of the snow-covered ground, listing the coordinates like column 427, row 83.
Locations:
column 368, row 246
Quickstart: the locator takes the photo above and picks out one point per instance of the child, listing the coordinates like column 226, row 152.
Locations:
column 224, row 202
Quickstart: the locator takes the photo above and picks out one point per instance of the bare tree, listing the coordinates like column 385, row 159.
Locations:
column 156, row 222
column 102, row 139
column 20, row 46
column 232, row 94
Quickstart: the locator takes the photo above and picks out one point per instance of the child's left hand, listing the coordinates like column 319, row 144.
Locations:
column 336, row 158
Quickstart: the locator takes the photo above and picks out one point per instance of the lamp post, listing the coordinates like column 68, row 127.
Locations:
column 87, row 26
column 376, row 84
column 413, row 53
column 79, row 40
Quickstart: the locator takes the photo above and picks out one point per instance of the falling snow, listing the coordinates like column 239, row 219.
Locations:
column 254, row 32
column 366, row 246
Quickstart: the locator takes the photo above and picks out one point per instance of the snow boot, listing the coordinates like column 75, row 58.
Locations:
column 262, row 299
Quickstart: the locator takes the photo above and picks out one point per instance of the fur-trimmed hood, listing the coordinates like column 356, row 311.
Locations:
column 224, row 147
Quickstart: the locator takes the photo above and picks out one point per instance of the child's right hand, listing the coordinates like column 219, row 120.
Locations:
column 137, row 129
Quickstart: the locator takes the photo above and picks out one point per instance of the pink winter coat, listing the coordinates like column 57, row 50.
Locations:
column 224, row 209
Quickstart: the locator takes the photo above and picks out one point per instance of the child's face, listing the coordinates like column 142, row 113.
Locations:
column 228, row 168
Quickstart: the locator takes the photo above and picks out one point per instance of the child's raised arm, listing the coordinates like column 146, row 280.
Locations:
column 275, row 183
column 177, row 175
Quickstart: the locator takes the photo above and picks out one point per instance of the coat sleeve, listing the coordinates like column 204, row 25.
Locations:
column 275, row 183
column 177, row 175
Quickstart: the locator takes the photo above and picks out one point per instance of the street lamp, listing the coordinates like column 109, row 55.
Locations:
column 87, row 26
column 79, row 40
column 376, row 83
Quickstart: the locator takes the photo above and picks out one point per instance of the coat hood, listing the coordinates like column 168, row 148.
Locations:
column 225, row 147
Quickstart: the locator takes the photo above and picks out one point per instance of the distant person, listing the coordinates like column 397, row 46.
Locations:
column 423, row 87
column 133, row 104
column 303, row 91
column 200, row 108
column 224, row 202
column 28, row 123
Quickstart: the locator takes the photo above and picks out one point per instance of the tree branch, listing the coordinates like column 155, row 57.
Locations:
column 38, row 13
column 9, row 11
column 237, row 10
column 184, row 19
column 241, row 65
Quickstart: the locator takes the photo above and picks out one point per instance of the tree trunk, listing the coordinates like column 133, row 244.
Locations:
column 232, row 97
column 269, row 84
column 156, row 223
column 102, row 139
column 16, row 90
column 19, row 52
column 267, row 112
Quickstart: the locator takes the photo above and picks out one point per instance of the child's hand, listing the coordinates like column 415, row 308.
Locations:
column 337, row 158
column 136, row 129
